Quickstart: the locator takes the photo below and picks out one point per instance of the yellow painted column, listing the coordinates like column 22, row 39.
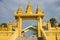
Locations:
column 39, row 26
column 49, row 29
column 2, row 27
column 19, row 27
column 49, row 25
column 9, row 27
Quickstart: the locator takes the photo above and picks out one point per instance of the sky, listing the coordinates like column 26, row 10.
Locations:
column 51, row 9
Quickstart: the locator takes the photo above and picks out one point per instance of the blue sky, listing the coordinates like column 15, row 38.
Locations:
column 51, row 9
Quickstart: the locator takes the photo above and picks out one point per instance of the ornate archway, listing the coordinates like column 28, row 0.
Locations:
column 29, row 15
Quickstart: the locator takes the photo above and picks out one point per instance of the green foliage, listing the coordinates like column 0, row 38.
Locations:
column 53, row 22
column 5, row 24
column 0, row 25
column 59, row 25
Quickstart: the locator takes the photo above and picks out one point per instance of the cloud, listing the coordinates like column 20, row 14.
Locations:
column 6, row 13
column 50, row 8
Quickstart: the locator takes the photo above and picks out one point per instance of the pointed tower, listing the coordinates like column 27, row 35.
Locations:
column 29, row 9
column 29, row 16
column 19, row 11
column 38, row 10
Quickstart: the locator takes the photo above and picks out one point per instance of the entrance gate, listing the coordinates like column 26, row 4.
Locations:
column 29, row 15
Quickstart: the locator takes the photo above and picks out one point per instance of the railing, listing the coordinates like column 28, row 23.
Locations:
column 15, row 35
column 53, row 35
column 43, row 34
column 6, row 33
column 9, row 35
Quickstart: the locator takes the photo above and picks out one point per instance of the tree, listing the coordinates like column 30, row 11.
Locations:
column 5, row 24
column 53, row 22
column 0, row 25
column 58, row 24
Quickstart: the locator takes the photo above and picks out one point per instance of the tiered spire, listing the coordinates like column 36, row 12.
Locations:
column 38, row 10
column 29, row 8
column 19, row 10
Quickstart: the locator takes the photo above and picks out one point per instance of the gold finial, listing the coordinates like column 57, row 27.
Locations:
column 20, row 6
column 19, row 9
column 29, row 8
column 29, row 1
column 38, row 10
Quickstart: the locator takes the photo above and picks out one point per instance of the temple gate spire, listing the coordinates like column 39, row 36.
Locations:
column 29, row 8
